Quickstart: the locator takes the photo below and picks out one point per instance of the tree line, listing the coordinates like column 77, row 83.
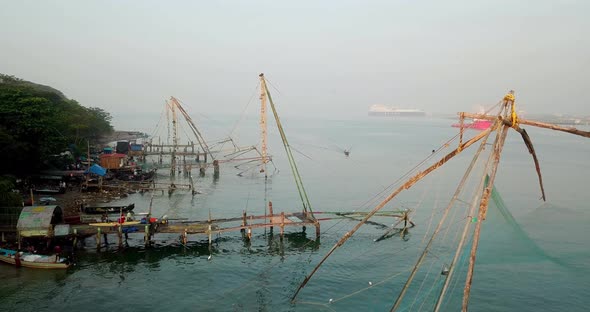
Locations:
column 38, row 122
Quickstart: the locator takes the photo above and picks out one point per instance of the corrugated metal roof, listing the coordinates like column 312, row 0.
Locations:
column 37, row 217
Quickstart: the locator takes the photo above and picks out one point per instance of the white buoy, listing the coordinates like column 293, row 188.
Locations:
column 331, row 300
column 209, row 258
column 370, row 283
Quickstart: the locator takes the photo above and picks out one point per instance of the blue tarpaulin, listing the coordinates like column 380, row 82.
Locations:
column 98, row 170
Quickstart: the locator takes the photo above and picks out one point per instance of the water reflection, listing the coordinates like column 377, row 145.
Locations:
column 114, row 259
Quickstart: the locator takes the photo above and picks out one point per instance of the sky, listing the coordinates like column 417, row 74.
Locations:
column 328, row 59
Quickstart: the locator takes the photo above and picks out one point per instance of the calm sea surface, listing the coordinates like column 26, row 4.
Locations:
column 540, row 262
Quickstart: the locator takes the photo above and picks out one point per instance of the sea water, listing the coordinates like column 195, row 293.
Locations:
column 539, row 264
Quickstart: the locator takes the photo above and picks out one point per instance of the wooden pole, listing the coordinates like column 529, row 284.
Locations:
column 317, row 229
column 270, row 214
column 459, row 249
column 209, row 233
column 282, row 223
column 539, row 124
column 263, row 128
column 458, row 191
column 215, row 169
column 483, row 207
column 98, row 238
column 146, row 237
column 120, row 235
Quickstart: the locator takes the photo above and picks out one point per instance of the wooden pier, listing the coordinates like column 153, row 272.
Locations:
column 245, row 224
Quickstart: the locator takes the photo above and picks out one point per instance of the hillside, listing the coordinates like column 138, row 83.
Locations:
column 38, row 122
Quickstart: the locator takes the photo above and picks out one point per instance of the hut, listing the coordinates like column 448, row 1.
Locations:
column 113, row 161
column 38, row 221
column 135, row 150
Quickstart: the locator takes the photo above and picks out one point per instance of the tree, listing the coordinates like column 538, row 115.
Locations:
column 38, row 121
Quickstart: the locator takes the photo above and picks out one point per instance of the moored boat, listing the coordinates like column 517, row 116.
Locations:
column 107, row 209
column 114, row 224
column 29, row 260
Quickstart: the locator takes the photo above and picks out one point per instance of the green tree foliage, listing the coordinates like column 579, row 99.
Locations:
column 8, row 198
column 38, row 121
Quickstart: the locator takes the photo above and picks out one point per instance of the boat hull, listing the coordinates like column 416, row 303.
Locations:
column 35, row 265
column 107, row 209
column 114, row 224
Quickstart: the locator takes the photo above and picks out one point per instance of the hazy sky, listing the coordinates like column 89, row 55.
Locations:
column 328, row 58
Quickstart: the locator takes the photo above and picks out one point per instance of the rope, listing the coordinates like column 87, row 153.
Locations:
column 243, row 113
column 296, row 175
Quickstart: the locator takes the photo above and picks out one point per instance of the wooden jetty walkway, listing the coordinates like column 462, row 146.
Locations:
column 151, row 226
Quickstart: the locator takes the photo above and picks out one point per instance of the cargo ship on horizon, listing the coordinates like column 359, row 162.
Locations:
column 382, row 110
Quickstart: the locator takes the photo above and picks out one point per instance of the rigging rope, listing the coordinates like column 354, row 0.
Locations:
column 296, row 175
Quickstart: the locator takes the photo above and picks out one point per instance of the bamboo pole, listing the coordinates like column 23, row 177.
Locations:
column 463, row 236
column 483, row 207
column 539, row 124
column 263, row 128
column 406, row 185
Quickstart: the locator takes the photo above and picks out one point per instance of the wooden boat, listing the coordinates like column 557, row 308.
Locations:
column 107, row 209
column 29, row 260
column 110, row 224
column 50, row 190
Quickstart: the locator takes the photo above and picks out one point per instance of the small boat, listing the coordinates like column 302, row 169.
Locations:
column 477, row 124
column 106, row 209
column 34, row 261
column 112, row 224
column 50, row 190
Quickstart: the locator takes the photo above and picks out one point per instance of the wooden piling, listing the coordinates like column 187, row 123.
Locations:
column 120, row 235
column 75, row 238
column 147, row 234
column 282, row 224
column 210, row 238
column 215, row 169
column 317, row 230
column 98, row 238
column 270, row 214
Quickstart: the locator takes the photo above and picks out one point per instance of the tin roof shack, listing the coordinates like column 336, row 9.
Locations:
column 135, row 150
column 39, row 220
column 47, row 184
column 122, row 147
column 113, row 161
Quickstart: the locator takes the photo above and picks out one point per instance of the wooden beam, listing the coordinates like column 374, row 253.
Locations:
column 539, row 124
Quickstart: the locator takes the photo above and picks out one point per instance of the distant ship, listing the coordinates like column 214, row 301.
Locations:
column 382, row 110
